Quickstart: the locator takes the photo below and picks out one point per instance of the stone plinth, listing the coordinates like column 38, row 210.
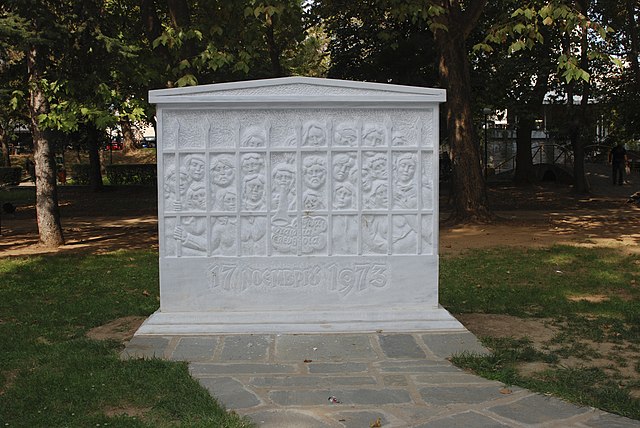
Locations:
column 298, row 205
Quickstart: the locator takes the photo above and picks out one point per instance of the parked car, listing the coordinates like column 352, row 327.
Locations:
column 114, row 145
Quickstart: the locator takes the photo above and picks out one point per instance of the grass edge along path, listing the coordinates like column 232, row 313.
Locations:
column 52, row 375
column 593, row 296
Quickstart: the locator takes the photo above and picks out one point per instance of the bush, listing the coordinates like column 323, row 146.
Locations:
column 144, row 174
column 80, row 173
column 10, row 175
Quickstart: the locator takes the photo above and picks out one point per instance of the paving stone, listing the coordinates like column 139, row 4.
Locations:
column 414, row 366
column 361, row 419
column 395, row 380
column 607, row 420
column 337, row 367
column 346, row 397
column 195, row 349
column 333, row 348
column 449, row 379
column 245, row 347
column 446, row 345
column 285, row 419
column 311, row 381
column 441, row 395
column 146, row 347
column 204, row 369
column 231, row 393
column 400, row 346
column 464, row 420
column 536, row 409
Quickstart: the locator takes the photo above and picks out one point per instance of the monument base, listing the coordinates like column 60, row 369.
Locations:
column 309, row 322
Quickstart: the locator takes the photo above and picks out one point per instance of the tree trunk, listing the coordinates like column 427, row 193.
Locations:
column 632, row 28
column 524, row 161
column 128, row 139
column 47, row 211
column 93, row 145
column 4, row 142
column 470, row 202
column 579, row 115
column 274, row 49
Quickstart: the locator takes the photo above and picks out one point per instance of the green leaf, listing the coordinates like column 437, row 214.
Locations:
column 187, row 80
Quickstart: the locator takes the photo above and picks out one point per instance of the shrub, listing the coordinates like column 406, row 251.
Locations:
column 80, row 173
column 143, row 174
column 10, row 175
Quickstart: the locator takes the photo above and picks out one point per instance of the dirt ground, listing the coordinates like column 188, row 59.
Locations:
column 535, row 216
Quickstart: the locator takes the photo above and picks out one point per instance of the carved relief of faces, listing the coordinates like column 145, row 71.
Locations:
column 252, row 163
column 196, row 198
column 314, row 135
column 170, row 184
column 253, row 192
column 195, row 167
column 399, row 139
column 283, row 176
column 377, row 167
column 405, row 168
column 379, row 196
column 343, row 196
column 314, row 171
column 253, row 137
column 185, row 181
column 345, row 135
column 228, row 201
column 373, row 136
column 342, row 166
column 222, row 172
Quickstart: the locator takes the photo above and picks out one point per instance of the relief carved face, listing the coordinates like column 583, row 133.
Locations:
column 342, row 165
column 252, row 163
column 228, row 201
column 314, row 172
column 405, row 169
column 343, row 196
column 222, row 173
column 197, row 198
column 195, row 168
column 254, row 189
column 314, row 136
column 380, row 196
column 283, row 178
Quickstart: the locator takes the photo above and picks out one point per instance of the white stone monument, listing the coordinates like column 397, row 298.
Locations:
column 298, row 205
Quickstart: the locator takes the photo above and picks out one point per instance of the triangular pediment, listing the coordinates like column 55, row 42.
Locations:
column 296, row 89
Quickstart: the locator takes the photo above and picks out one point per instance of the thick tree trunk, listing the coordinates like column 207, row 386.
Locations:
column 128, row 139
column 47, row 211
column 274, row 49
column 524, row 161
column 4, row 142
column 470, row 202
column 632, row 29
column 93, row 146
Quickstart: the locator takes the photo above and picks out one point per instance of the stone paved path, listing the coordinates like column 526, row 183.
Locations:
column 387, row 380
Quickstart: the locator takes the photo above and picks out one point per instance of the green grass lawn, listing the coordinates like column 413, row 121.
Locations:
column 51, row 375
column 592, row 294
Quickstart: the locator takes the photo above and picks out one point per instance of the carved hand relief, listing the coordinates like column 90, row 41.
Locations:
column 345, row 135
column 345, row 234
column 191, row 235
column 314, row 135
column 375, row 229
column 223, row 236
column 405, row 190
column 405, row 234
